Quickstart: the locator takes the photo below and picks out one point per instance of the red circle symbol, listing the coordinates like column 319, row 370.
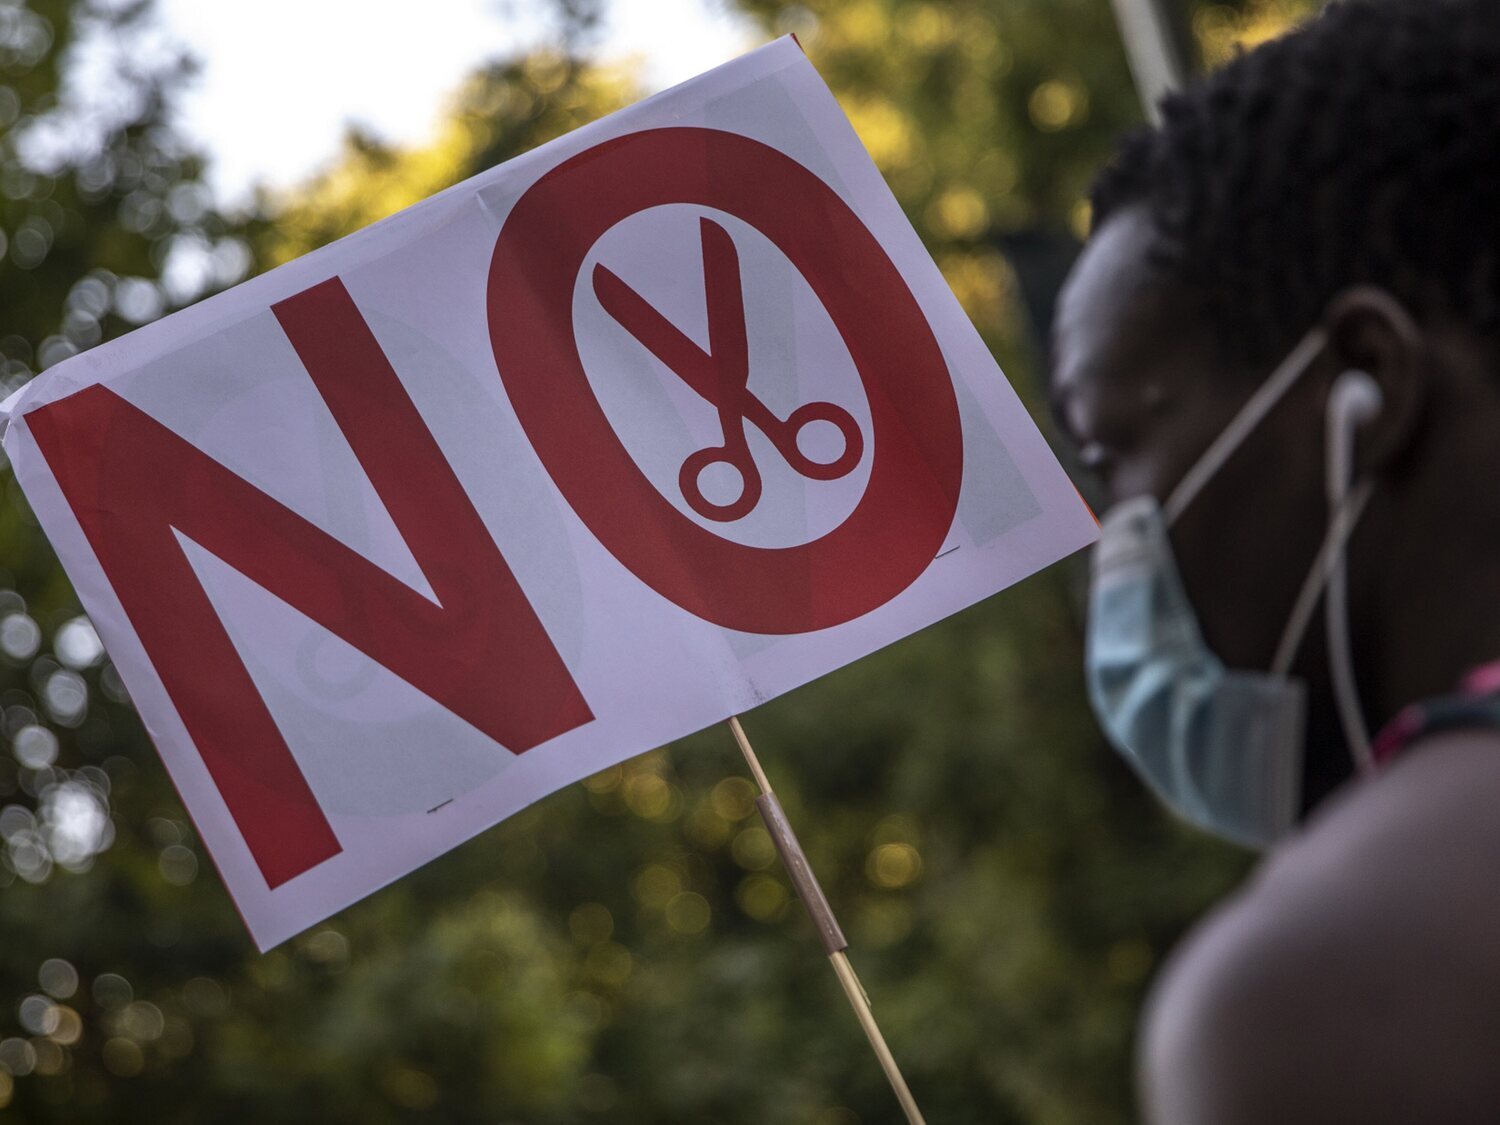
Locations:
column 916, row 439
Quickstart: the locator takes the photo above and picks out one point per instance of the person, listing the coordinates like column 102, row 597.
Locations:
column 1280, row 353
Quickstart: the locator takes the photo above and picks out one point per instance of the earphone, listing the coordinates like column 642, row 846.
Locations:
column 1353, row 401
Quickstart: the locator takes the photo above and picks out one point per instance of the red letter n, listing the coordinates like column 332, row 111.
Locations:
column 480, row 651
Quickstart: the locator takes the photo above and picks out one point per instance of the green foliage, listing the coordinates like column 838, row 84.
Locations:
column 627, row 950
column 97, row 196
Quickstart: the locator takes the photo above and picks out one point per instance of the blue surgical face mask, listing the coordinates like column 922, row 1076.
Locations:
column 1222, row 747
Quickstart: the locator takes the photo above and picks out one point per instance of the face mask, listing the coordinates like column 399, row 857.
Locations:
column 1222, row 747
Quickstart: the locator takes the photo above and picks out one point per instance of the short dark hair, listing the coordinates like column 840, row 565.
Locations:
column 1363, row 147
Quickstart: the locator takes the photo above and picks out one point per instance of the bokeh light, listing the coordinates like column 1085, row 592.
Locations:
column 894, row 865
column 58, row 978
column 77, row 645
column 34, row 746
column 38, row 1015
column 75, row 818
column 20, row 636
column 111, row 991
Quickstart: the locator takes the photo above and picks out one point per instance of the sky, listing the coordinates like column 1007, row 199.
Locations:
column 280, row 79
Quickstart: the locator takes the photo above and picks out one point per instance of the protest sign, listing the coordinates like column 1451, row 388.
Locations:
column 600, row 447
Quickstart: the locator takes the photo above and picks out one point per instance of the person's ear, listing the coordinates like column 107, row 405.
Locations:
column 1370, row 330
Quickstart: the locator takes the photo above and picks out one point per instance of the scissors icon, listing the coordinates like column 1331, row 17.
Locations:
column 721, row 376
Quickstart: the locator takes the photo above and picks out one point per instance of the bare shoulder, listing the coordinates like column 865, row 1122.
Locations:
column 1355, row 976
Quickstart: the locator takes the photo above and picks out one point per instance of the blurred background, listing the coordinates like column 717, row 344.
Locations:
column 628, row 950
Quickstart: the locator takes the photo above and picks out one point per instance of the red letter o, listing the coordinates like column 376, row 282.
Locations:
column 917, row 445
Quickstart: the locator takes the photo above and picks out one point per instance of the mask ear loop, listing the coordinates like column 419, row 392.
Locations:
column 1340, row 528
column 1256, row 407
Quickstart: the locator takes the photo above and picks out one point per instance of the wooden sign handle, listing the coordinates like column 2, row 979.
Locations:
column 812, row 896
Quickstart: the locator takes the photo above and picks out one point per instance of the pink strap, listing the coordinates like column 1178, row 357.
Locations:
column 1411, row 721
column 1484, row 680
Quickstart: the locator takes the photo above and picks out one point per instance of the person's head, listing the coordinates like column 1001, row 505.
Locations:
column 1345, row 176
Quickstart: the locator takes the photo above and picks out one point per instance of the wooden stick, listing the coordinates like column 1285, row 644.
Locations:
column 811, row 893
column 749, row 752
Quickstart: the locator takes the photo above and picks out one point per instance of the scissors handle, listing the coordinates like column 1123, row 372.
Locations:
column 784, row 437
column 738, row 459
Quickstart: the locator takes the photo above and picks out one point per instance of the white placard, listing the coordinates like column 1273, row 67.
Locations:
column 600, row 447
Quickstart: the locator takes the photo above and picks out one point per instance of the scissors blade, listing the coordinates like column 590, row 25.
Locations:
column 727, row 339
column 656, row 333
column 720, row 375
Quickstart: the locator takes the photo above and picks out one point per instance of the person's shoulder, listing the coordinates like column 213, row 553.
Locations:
column 1354, row 977
column 1444, row 791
